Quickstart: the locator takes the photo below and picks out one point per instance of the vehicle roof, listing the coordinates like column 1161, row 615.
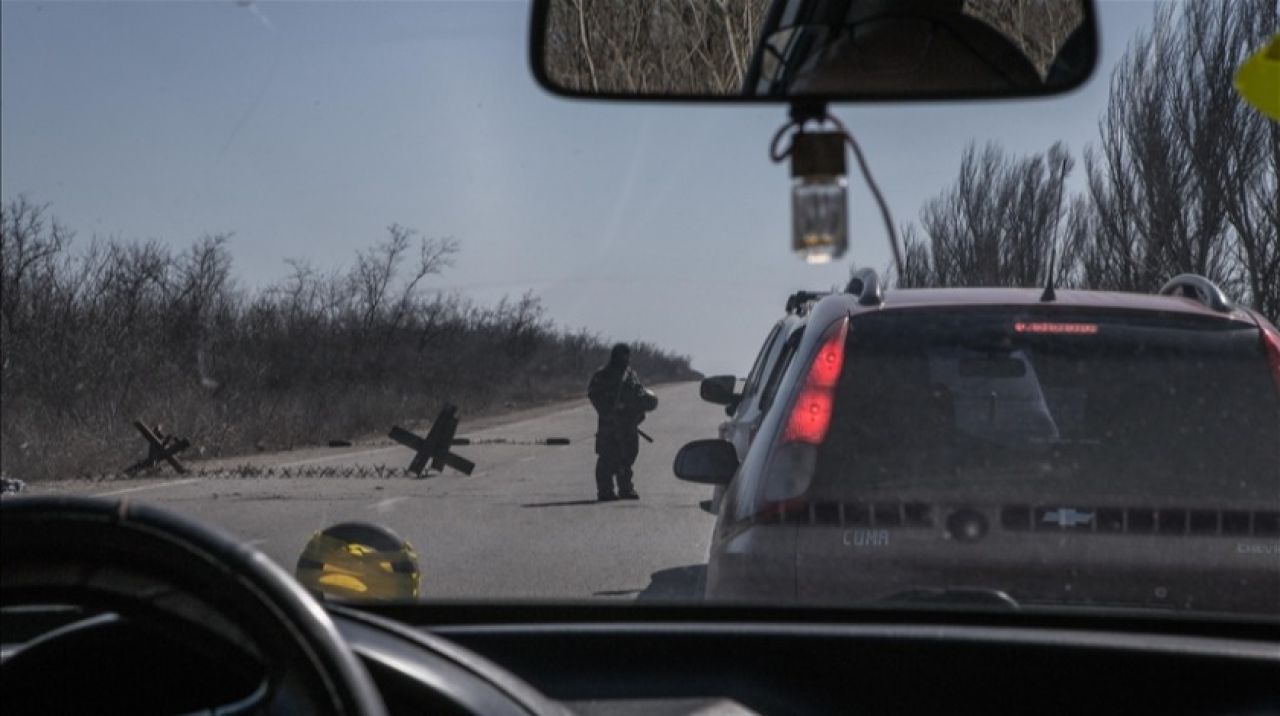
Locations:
column 1066, row 298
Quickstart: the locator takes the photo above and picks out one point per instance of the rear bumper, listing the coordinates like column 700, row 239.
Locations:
column 843, row 566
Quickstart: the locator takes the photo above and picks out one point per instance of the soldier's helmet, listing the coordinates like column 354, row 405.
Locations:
column 620, row 355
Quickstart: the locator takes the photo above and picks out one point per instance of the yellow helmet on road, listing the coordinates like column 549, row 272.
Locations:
column 359, row 561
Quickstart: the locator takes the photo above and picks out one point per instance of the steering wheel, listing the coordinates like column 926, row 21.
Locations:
column 173, row 613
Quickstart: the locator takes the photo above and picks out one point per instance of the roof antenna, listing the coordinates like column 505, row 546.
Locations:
column 1049, row 294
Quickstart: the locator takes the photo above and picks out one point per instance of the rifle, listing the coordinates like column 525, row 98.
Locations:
column 618, row 399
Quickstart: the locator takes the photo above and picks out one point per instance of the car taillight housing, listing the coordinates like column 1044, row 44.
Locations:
column 811, row 415
column 1271, row 344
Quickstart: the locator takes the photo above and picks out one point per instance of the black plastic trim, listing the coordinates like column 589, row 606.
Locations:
column 1061, row 638
column 470, row 681
column 1199, row 288
column 1125, row 622
column 865, row 283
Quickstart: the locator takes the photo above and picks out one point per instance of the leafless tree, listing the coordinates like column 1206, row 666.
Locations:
column 373, row 277
column 997, row 226
column 92, row 339
column 1184, row 177
column 1238, row 149
column 30, row 244
column 1151, row 221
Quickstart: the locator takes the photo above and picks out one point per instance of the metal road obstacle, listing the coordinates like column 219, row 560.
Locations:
column 159, row 447
column 434, row 448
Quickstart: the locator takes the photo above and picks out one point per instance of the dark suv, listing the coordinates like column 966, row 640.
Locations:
column 1011, row 446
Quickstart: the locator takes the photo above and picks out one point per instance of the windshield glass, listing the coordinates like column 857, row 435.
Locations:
column 342, row 280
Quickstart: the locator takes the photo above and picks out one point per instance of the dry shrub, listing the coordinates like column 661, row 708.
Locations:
column 92, row 339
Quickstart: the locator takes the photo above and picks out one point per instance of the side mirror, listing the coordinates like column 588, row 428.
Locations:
column 718, row 389
column 708, row 462
column 732, row 407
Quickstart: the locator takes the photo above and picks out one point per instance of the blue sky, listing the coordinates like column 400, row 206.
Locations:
column 305, row 128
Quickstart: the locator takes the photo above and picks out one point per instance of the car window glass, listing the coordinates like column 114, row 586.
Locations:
column 779, row 370
column 753, row 378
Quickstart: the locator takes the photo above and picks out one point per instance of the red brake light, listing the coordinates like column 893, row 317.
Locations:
column 826, row 367
column 1085, row 329
column 1271, row 342
column 811, row 415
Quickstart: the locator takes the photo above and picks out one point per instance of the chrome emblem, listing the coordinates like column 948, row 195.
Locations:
column 1067, row 517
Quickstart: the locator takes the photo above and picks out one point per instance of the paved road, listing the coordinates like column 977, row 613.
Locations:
column 524, row 525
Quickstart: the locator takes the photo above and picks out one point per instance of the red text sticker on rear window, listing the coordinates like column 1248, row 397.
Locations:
column 1080, row 329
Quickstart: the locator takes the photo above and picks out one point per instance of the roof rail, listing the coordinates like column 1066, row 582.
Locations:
column 799, row 301
column 1190, row 285
column 865, row 284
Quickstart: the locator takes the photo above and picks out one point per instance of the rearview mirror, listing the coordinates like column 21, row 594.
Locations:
column 718, row 389
column 708, row 462
column 829, row 50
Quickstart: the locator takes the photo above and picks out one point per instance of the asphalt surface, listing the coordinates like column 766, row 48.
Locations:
column 524, row 525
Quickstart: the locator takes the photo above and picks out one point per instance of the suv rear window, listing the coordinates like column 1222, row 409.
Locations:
column 1105, row 405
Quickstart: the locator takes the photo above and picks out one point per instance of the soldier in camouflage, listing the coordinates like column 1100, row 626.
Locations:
column 618, row 397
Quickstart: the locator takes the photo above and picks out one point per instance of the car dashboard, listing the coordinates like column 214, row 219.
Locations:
column 683, row 660
column 687, row 660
